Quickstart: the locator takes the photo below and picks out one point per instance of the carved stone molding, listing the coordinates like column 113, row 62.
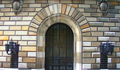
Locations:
column 17, row 5
column 103, row 6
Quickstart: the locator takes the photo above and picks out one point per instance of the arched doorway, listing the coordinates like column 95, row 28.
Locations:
column 59, row 48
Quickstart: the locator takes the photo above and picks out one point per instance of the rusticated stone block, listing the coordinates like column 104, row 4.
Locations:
column 22, row 65
column 32, row 60
column 4, row 27
column 113, row 10
column 114, row 29
column 1, row 42
column 86, row 34
column 113, row 55
column 44, row 5
column 1, row 23
column 97, row 33
column 86, row 54
column 2, row 5
column 28, row 48
column 2, row 48
column 96, row 23
column 32, row 65
column 8, row 59
column 32, row 33
column 23, row 23
column 93, row 6
column 95, row 54
column 86, row 66
column 29, row 1
column 31, row 42
column 0, row 64
column 109, row 33
column 93, row 28
column 27, row 18
column 6, row 65
column 103, row 19
column 111, row 66
column 115, row 60
column 88, row 60
column 31, row 54
column 116, row 49
column 4, row 18
column 15, row 27
column 5, row 9
column 90, row 2
column 118, row 43
column 103, row 28
column 3, row 59
column 84, row 6
column 91, row 19
column 89, row 49
column 97, row 60
column 114, row 20
column 113, row 3
column 4, row 37
column 34, row 5
column 32, row 13
column 89, row 38
column 1, row 32
column 109, row 24
column 0, row 53
column 22, row 54
column 15, row 37
column 28, row 9
column 21, row 32
column 40, row 49
column 90, row 10
column 28, row 37
column 95, row 43
column 86, row 30
column 103, row 38
column 25, row 5
column 114, row 39
column 85, row 26
column 118, row 54
column 86, row 43
column 95, row 14
column 95, row 66
column 118, row 24
column 86, row 14
column 25, row 27
column 5, row 54
column 16, row 18
column 6, row 1
column 117, row 33
column 22, row 42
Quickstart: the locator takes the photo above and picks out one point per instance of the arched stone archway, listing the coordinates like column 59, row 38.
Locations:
column 59, row 13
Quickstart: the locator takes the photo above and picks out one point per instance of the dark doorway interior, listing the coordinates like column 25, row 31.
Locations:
column 59, row 48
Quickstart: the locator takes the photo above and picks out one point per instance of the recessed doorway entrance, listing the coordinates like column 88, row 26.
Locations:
column 59, row 54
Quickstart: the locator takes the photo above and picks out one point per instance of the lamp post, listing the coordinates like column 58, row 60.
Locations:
column 14, row 49
column 105, row 49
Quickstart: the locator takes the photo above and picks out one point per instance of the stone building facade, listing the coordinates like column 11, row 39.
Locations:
column 83, row 17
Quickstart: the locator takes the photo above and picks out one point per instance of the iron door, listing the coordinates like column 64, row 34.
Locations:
column 59, row 48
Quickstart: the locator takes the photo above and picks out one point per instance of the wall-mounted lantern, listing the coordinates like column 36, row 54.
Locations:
column 13, row 48
column 103, row 6
column 105, row 50
column 17, row 5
